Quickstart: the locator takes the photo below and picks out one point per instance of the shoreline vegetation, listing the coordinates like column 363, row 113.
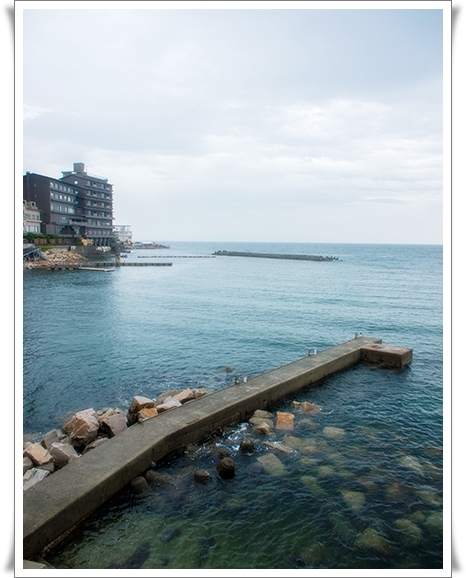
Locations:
column 275, row 256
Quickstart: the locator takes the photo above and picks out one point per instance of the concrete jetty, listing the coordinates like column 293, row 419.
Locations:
column 59, row 502
column 274, row 256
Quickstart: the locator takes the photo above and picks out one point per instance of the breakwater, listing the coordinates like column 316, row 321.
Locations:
column 274, row 256
column 62, row 500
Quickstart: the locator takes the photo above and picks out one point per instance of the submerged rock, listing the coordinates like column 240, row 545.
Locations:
column 333, row 432
column 247, row 445
column 412, row 464
column 279, row 447
column 312, row 484
column 136, row 560
column 354, row 499
column 272, row 465
column 434, row 522
column 159, row 478
column 169, row 534
column 370, row 539
column 412, row 534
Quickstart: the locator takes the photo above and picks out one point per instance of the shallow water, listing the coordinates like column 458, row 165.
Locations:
column 369, row 499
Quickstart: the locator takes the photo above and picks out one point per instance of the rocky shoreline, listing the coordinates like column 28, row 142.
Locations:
column 87, row 429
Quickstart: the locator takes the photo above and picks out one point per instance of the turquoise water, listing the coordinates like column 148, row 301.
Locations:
column 369, row 499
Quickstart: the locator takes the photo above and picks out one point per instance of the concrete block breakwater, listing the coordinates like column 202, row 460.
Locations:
column 62, row 500
column 275, row 256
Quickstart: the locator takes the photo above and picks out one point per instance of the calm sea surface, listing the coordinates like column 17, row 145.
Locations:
column 369, row 499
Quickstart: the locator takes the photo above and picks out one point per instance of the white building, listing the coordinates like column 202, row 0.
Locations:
column 123, row 234
column 31, row 217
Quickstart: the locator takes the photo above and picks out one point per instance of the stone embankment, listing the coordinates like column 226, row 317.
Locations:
column 65, row 259
column 87, row 429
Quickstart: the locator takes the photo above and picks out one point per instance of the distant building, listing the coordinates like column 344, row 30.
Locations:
column 31, row 217
column 123, row 234
column 77, row 206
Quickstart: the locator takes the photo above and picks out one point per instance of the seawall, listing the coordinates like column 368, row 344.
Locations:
column 59, row 502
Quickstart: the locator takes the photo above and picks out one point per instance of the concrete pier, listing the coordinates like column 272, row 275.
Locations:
column 62, row 500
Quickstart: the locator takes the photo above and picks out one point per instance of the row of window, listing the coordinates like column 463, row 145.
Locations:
column 62, row 208
column 32, row 228
column 63, row 188
column 100, row 223
column 32, row 217
column 59, row 197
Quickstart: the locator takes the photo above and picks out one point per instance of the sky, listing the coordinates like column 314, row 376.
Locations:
column 219, row 122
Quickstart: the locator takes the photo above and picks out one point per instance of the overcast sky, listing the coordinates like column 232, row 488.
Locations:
column 302, row 124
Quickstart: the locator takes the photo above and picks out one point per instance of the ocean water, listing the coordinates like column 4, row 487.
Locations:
column 371, row 498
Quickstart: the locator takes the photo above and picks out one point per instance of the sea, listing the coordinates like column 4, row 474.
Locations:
column 368, row 498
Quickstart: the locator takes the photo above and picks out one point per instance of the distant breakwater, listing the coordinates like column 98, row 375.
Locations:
column 275, row 256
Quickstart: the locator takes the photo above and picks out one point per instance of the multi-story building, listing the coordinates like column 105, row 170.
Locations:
column 123, row 234
column 77, row 206
column 31, row 217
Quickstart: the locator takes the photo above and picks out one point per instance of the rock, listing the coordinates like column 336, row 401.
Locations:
column 113, row 424
column 434, row 522
column 310, row 408
column 285, row 421
column 312, row 484
column 373, row 540
column 27, row 464
column 279, row 447
column 293, row 441
column 333, row 432
column 259, row 421
column 33, row 477
column 368, row 483
column 220, row 451
column 295, row 405
column 430, row 497
column 202, row 476
column 412, row 463
column 262, row 413
column 147, row 413
column 137, row 403
column 262, row 428
column 166, row 394
column 184, row 396
column 40, row 457
column 159, row 478
column 169, row 403
column 226, row 468
column 199, row 393
column 63, row 454
column 50, row 438
column 139, row 485
column 325, row 471
column 83, row 428
column 393, row 492
column 247, row 446
column 412, row 534
column 354, row 499
column 272, row 465
column 94, row 445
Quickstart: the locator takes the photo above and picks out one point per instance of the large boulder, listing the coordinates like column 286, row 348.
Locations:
column 82, row 428
column 147, row 413
column 169, row 403
column 285, row 420
column 63, row 454
column 40, row 457
column 27, row 464
column 137, row 404
column 202, row 476
column 33, row 477
column 185, row 395
column 50, row 438
column 113, row 424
